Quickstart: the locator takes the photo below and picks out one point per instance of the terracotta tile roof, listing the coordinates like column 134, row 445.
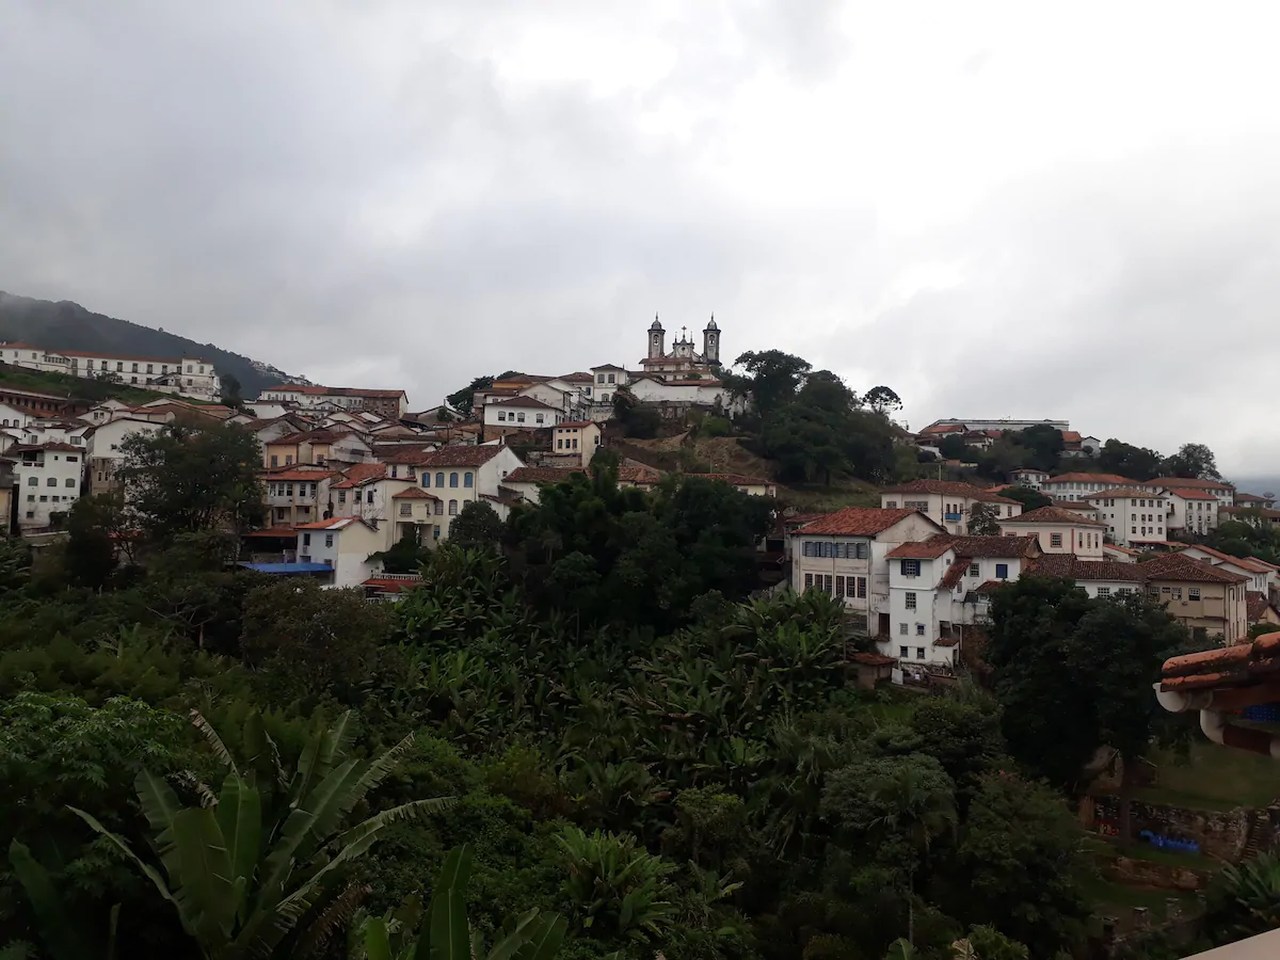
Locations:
column 1119, row 549
column 66, row 447
column 578, row 377
column 333, row 523
column 1241, row 665
column 924, row 550
column 1071, row 436
column 462, row 456
column 1267, row 513
column 312, row 390
column 1244, row 563
column 1256, row 604
column 1252, row 498
column 936, row 429
column 950, row 488
column 639, row 474
column 607, row 366
column 297, row 474
column 856, row 522
column 1071, row 567
column 991, row 586
column 946, row 642
column 392, row 584
column 1180, row 567
column 995, row 547
column 1081, row 505
column 1123, row 492
column 507, row 501
column 1191, row 493
column 1192, row 483
column 414, row 493
column 539, row 475
column 360, row 474
column 574, row 424
column 1113, row 479
column 955, row 573
column 1045, row 515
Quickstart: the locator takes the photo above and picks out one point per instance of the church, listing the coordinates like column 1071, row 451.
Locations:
column 683, row 362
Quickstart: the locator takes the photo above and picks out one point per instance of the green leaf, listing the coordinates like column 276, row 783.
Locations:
column 377, row 942
column 450, row 934
column 211, row 736
column 59, row 931
column 544, row 938
column 159, row 802
column 149, row 871
column 240, row 822
column 206, row 893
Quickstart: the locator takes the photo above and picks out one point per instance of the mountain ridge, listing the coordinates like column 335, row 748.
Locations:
column 66, row 325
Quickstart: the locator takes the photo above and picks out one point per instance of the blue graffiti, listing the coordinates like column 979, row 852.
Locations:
column 1169, row 843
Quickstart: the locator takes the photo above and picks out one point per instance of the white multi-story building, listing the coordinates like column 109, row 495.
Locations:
column 1134, row 515
column 1080, row 486
column 1059, row 531
column 939, row 586
column 1223, row 492
column 946, row 502
column 522, row 413
column 387, row 403
column 1193, row 510
column 49, row 478
column 843, row 554
column 184, row 376
column 344, row 544
column 105, row 449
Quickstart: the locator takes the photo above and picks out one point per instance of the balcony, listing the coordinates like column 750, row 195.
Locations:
column 953, row 517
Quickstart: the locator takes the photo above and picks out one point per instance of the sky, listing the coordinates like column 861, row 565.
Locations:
column 998, row 209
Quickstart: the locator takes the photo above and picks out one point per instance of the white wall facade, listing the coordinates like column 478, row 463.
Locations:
column 49, row 482
column 1133, row 520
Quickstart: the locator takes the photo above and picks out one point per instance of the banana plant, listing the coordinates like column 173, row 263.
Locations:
column 60, row 931
column 445, row 933
column 243, row 873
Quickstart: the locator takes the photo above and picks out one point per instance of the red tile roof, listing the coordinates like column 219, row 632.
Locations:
column 318, row 391
column 462, row 456
column 1244, row 563
column 1256, row 604
column 293, row 473
column 936, row 429
column 1051, row 515
column 639, row 474
column 1071, row 436
column 540, row 474
column 360, row 474
column 924, row 550
column 868, row 659
column 1070, row 567
column 950, row 488
column 1192, row 493
column 68, row 448
column 1240, row 665
column 856, row 522
column 333, row 523
column 528, row 403
column 955, row 573
column 414, row 493
column 1193, row 483
column 1178, row 566
column 1252, row 498
column 574, row 424
column 392, row 584
column 578, row 377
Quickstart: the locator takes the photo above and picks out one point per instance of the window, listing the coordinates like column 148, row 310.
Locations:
column 342, row 496
column 134, row 369
column 328, row 539
column 439, row 479
column 69, row 482
column 892, row 505
column 51, row 482
column 911, row 601
column 275, row 459
column 149, row 368
column 453, row 508
column 902, row 652
column 560, row 444
column 613, row 378
column 1193, row 593
column 406, row 509
column 426, row 478
column 31, row 498
column 974, row 570
column 1104, row 591
column 306, row 539
column 44, row 499
column 435, row 531
column 520, row 417
column 538, row 417
column 502, row 416
column 1177, row 593
column 902, row 629
column 911, row 568
column 862, row 587
column 808, row 581
column 861, row 551
column 453, row 479
column 919, row 629
column 1002, row 571
column 468, row 479
column 33, row 481
column 1055, row 539
column 439, row 508
column 919, row 653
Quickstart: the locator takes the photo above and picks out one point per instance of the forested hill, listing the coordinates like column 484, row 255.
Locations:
column 68, row 326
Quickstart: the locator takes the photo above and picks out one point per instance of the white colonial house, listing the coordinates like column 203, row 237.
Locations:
column 1059, row 531
column 1031, row 477
column 343, row 543
column 184, row 376
column 1134, row 515
column 105, row 449
column 1263, row 577
column 947, row 503
column 49, row 478
column 939, row 586
column 1079, row 486
column 1223, row 492
column 576, row 439
column 1193, row 509
column 844, row 554
column 522, row 413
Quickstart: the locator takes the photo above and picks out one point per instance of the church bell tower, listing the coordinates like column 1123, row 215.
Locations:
column 711, row 342
column 657, row 339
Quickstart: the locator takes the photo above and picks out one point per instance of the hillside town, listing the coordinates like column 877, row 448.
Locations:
column 347, row 473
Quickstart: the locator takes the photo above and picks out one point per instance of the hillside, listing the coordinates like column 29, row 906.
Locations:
column 69, row 326
column 79, row 388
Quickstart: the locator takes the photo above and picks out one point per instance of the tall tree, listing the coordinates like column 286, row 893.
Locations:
column 1030, row 498
column 772, row 377
column 1193, row 460
column 1045, row 443
column 984, row 520
column 1127, row 460
column 478, row 526
column 462, row 400
column 882, row 400
column 89, row 554
column 186, row 479
column 232, row 391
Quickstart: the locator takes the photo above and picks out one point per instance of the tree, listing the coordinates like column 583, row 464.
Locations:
column 478, row 526
column 1244, row 900
column 244, row 868
column 882, row 400
column 772, row 378
column 462, row 400
column 963, row 734
column 15, row 563
column 953, row 447
column 89, row 555
column 1031, row 499
column 1127, row 460
column 1018, row 865
column 232, row 395
column 636, row 420
column 445, row 933
column 186, row 479
column 403, row 556
column 1194, row 460
column 1044, row 443
column 984, row 520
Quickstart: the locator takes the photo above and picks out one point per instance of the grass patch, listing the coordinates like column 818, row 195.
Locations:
column 1213, row 778
column 81, row 388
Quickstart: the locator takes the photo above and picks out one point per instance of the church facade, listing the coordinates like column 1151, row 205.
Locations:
column 683, row 362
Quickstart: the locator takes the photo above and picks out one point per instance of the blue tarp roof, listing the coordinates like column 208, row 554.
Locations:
column 288, row 567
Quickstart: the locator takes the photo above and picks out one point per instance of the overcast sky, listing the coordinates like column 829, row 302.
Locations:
column 1005, row 209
